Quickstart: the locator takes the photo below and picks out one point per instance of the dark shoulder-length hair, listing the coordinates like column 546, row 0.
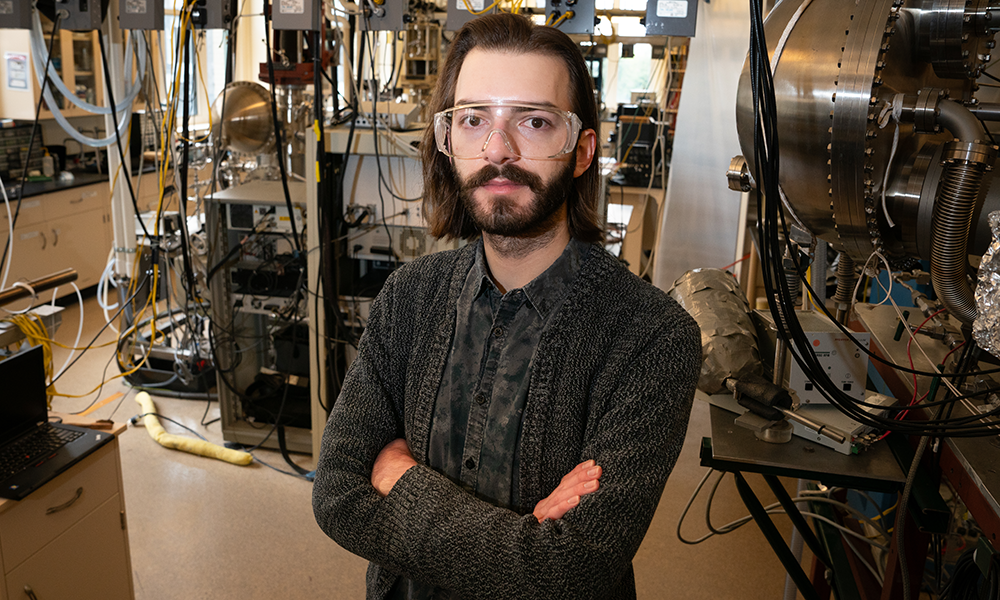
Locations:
column 514, row 34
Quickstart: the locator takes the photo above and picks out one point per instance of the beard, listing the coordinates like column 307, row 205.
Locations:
column 502, row 216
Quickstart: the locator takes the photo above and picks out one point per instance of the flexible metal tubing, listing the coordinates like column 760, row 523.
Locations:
column 952, row 217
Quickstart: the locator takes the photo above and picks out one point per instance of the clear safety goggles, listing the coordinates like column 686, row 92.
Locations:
column 527, row 130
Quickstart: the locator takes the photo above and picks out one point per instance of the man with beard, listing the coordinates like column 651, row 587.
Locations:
column 516, row 405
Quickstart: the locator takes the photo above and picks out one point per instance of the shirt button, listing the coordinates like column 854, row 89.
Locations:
column 498, row 332
column 470, row 464
column 480, row 398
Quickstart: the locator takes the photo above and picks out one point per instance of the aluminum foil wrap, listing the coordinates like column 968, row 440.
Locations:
column 728, row 341
column 986, row 327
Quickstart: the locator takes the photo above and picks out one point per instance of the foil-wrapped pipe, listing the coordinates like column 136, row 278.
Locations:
column 986, row 327
column 728, row 341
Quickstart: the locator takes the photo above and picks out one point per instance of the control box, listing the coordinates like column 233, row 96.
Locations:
column 15, row 14
column 671, row 17
column 396, row 243
column 570, row 16
column 461, row 12
column 391, row 15
column 296, row 15
column 845, row 363
column 213, row 14
column 249, row 217
column 81, row 15
column 141, row 14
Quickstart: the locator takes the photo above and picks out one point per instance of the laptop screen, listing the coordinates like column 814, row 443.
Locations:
column 22, row 394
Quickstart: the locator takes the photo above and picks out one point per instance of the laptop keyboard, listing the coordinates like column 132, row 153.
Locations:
column 34, row 448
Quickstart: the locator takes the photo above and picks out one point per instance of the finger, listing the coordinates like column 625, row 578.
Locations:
column 587, row 464
column 559, row 510
column 580, row 475
column 588, row 487
column 563, row 495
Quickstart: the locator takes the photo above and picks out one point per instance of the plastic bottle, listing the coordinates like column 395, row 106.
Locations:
column 48, row 165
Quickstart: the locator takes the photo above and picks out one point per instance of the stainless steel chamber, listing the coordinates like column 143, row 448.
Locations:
column 882, row 140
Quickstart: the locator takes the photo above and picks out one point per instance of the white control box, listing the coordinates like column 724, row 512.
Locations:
column 845, row 363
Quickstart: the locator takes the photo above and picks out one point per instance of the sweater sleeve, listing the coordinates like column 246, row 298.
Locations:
column 363, row 420
column 429, row 529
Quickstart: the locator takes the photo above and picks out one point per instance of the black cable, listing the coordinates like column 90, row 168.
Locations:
column 771, row 226
column 97, row 396
column 296, row 475
column 126, row 168
column 990, row 76
column 98, row 334
column 283, row 447
column 31, row 139
column 208, row 405
column 378, row 158
column 278, row 140
column 182, row 199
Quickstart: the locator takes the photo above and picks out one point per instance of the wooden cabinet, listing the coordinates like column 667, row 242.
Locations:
column 69, row 539
column 76, row 55
column 64, row 229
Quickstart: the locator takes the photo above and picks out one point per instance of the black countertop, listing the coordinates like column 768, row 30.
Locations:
column 37, row 188
column 80, row 178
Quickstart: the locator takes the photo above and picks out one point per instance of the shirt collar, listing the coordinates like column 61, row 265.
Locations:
column 549, row 289
column 546, row 291
column 480, row 272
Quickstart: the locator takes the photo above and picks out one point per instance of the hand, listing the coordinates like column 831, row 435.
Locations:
column 580, row 481
column 390, row 464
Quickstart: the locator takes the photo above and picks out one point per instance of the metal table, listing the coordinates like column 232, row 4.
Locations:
column 735, row 449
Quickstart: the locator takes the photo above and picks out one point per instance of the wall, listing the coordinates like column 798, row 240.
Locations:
column 700, row 220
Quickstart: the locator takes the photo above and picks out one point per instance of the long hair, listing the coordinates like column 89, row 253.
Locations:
column 516, row 34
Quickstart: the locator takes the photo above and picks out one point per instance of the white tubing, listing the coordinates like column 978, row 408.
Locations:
column 102, row 290
column 125, row 115
column 40, row 57
column 10, row 232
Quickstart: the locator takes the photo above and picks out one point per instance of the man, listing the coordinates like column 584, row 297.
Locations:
column 516, row 405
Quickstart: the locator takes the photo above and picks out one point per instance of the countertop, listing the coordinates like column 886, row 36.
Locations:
column 37, row 188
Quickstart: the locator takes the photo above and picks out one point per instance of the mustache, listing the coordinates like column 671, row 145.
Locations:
column 512, row 173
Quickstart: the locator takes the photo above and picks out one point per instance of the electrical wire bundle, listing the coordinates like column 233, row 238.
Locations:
column 967, row 581
column 854, row 540
column 774, row 241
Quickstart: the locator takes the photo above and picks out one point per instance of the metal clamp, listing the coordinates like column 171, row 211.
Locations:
column 739, row 175
column 926, row 110
column 969, row 152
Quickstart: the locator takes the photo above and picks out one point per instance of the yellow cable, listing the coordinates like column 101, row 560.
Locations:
column 566, row 15
column 885, row 512
column 484, row 11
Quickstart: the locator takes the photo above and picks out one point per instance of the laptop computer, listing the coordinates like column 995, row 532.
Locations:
column 33, row 450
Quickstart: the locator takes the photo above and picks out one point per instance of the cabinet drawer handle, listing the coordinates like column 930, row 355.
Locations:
column 55, row 509
column 77, row 201
column 30, row 593
column 45, row 241
column 55, row 237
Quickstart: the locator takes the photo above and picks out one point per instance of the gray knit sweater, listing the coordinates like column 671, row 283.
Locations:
column 613, row 381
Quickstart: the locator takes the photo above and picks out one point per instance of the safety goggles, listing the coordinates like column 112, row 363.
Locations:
column 528, row 130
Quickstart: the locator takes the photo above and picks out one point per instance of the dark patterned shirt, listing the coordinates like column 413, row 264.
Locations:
column 477, row 418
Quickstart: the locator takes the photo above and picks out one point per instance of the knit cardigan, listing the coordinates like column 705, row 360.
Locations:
column 612, row 380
